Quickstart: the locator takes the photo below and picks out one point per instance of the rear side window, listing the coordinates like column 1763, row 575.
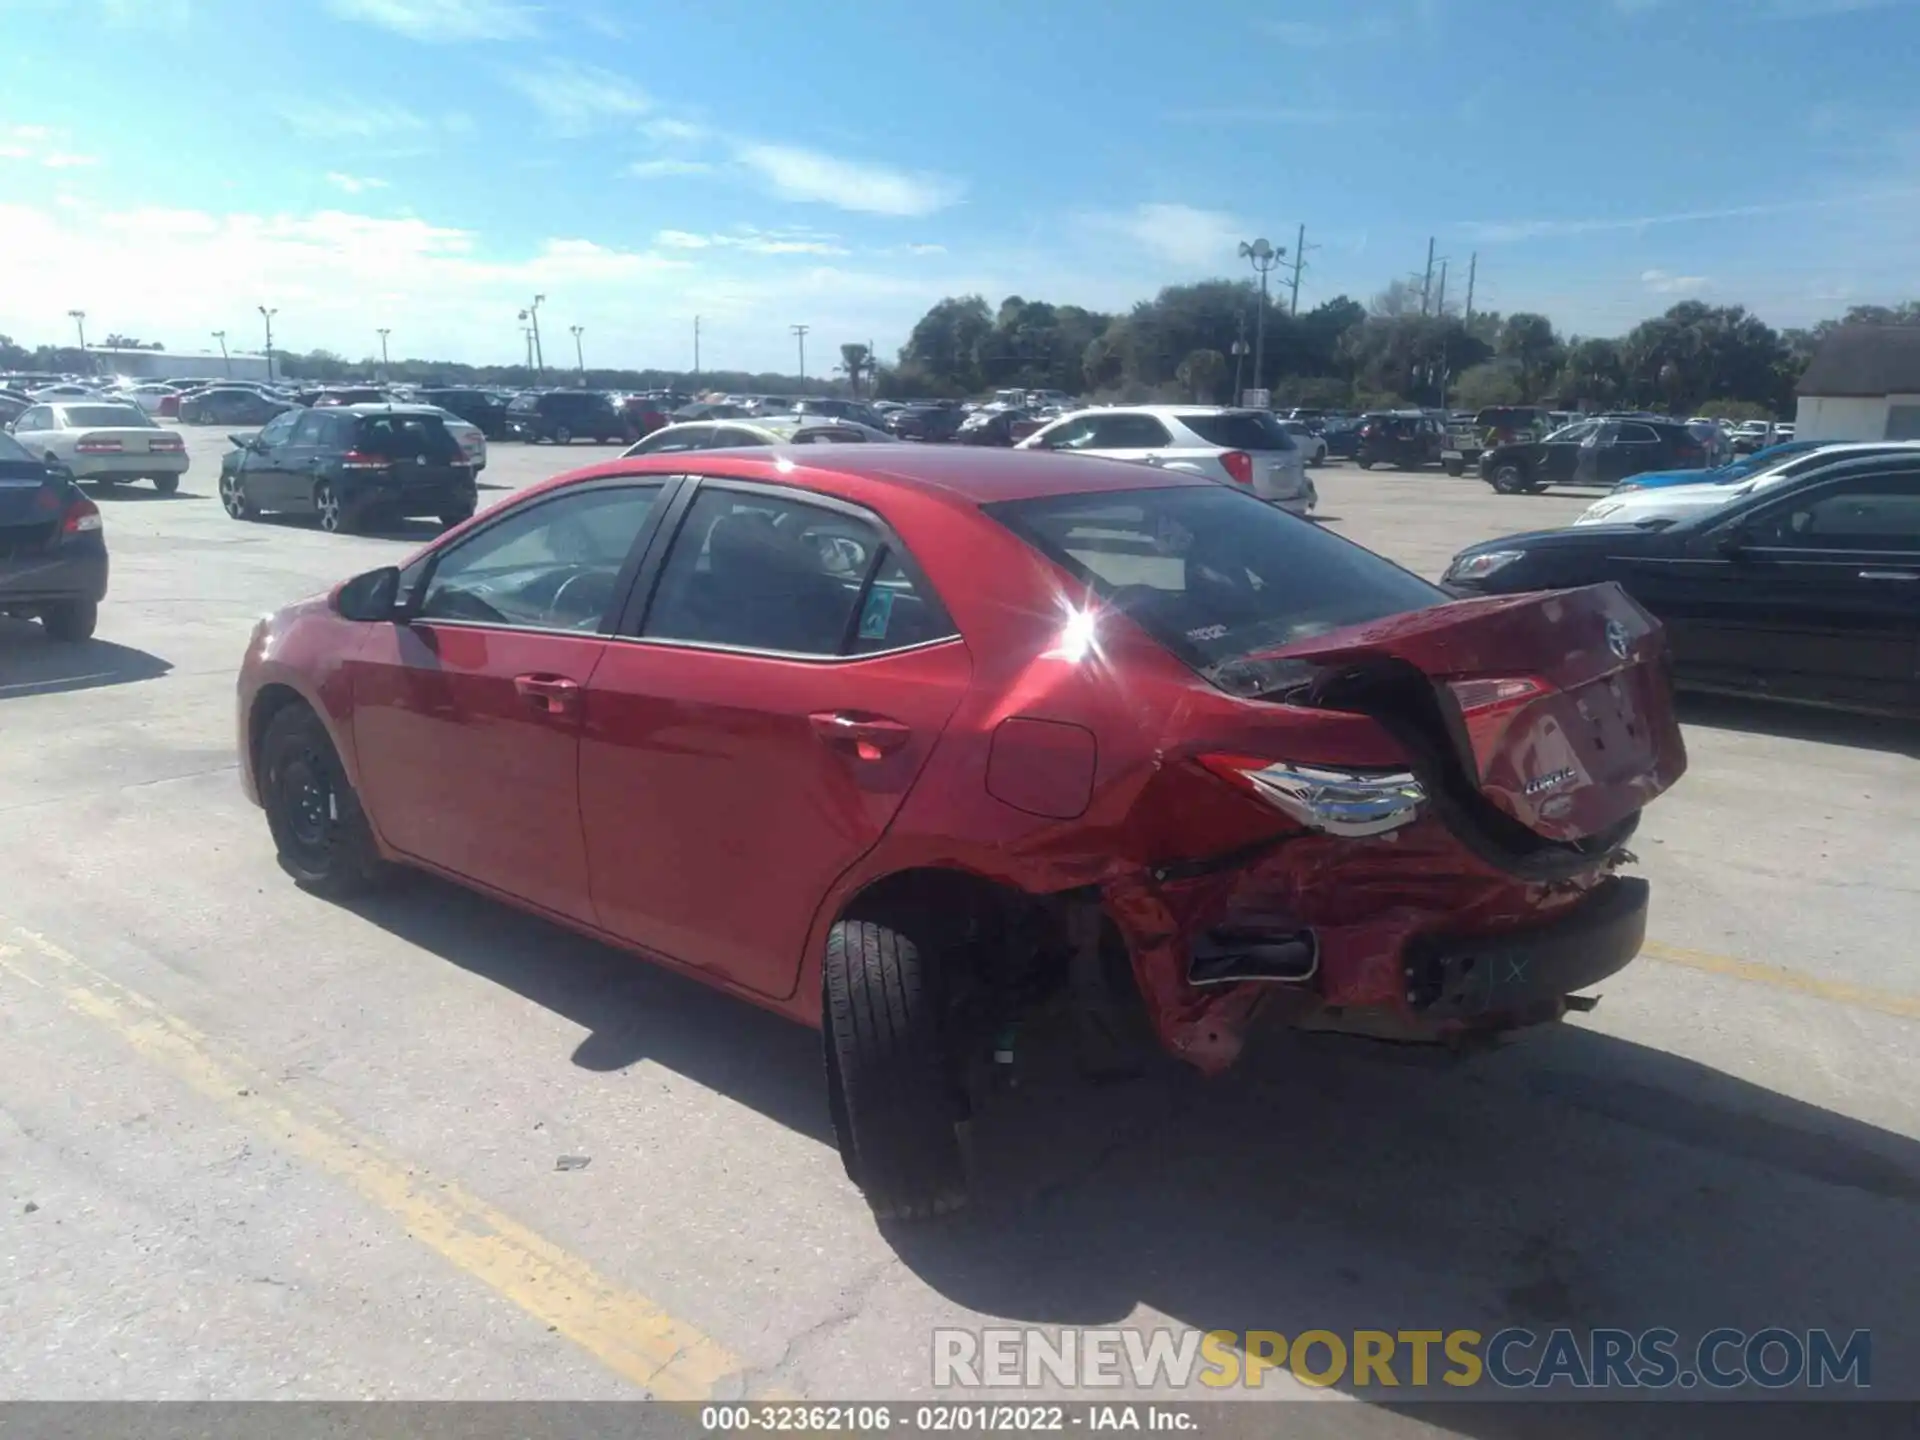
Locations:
column 402, row 437
column 1213, row 574
column 117, row 415
column 1240, row 430
column 1126, row 432
column 1636, row 435
column 757, row 572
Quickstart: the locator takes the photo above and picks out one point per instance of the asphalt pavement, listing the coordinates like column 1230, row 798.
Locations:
column 256, row 1145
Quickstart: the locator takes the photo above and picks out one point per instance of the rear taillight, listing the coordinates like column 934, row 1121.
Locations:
column 360, row 460
column 82, row 517
column 166, row 442
column 1350, row 803
column 1487, row 708
column 98, row 447
column 1239, row 466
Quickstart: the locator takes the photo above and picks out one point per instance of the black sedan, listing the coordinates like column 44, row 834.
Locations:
column 1805, row 590
column 1592, row 452
column 53, row 552
column 925, row 422
column 229, row 405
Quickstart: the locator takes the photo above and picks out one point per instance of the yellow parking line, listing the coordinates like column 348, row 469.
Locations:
column 625, row 1331
column 1839, row 992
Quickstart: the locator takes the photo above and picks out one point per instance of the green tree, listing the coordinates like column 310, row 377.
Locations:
column 1203, row 372
column 946, row 344
column 1493, row 382
column 855, row 362
column 1528, row 340
column 1593, row 374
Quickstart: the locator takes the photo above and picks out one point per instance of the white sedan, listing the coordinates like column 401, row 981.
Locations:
column 103, row 441
column 1668, row 503
column 1248, row 449
column 148, row 396
column 471, row 439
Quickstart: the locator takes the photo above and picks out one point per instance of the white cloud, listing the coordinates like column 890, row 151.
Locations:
column 667, row 130
column 32, row 145
column 354, row 184
column 926, row 249
column 757, row 242
column 575, row 98
column 442, row 20
column 345, row 117
column 1180, row 234
column 660, row 169
column 1496, row 231
column 1662, row 282
column 793, row 173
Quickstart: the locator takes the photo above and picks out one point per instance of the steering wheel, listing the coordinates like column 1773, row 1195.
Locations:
column 566, row 586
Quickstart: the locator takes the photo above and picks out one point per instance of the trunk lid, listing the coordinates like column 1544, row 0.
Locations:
column 1557, row 705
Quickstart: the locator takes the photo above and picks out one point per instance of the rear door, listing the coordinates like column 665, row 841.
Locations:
column 1632, row 449
column 754, row 733
column 467, row 716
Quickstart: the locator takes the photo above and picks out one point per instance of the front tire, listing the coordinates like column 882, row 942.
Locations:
column 562, row 435
column 1456, row 468
column 1364, row 464
column 319, row 830
column 459, row 515
column 1509, row 478
column 71, row 621
column 895, row 1111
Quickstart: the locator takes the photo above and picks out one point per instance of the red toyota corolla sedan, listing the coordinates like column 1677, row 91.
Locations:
column 906, row 742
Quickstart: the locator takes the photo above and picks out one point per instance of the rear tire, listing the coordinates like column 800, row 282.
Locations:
column 894, row 1109
column 1456, row 468
column 562, row 435
column 1364, row 464
column 319, row 830
column 166, row 484
column 71, row 621
column 458, row 516
column 330, row 511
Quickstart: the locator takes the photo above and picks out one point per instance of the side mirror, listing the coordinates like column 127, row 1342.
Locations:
column 370, row 597
column 1732, row 541
column 243, row 442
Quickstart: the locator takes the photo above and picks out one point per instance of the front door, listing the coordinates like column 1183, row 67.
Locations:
column 756, row 736
column 1815, row 596
column 467, row 715
column 258, row 461
column 296, row 461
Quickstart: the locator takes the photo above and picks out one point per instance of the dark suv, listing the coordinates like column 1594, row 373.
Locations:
column 1406, row 442
column 346, row 463
column 563, row 416
column 1601, row 451
column 476, row 407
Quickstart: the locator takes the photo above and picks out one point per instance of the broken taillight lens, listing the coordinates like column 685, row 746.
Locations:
column 1350, row 803
column 1487, row 707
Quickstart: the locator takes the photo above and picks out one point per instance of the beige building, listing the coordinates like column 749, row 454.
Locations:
column 1863, row 384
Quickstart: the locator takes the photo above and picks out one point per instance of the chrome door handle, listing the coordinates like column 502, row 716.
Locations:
column 1890, row 574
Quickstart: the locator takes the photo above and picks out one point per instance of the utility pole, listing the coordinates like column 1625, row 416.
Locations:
column 1300, row 248
column 1473, row 267
column 267, row 315
column 696, row 347
column 1239, row 351
column 1440, row 305
column 225, row 360
column 1426, row 285
column 579, row 359
column 1264, row 258
column 539, row 355
column 79, row 318
column 385, row 364
column 800, row 334
column 527, row 332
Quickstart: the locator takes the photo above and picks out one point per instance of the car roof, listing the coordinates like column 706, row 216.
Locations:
column 374, row 407
column 867, row 472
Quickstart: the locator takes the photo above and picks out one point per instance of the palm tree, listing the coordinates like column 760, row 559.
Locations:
column 855, row 361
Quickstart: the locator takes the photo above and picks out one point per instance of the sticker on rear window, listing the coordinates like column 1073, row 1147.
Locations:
column 1208, row 632
column 1171, row 537
column 876, row 615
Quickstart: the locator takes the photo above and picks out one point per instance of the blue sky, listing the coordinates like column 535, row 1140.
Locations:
column 430, row 165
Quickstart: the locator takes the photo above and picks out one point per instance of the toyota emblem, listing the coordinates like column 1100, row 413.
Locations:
column 1617, row 639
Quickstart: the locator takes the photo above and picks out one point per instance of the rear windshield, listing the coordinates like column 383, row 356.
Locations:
column 1214, row 574
column 1240, row 430
column 121, row 415
column 404, row 436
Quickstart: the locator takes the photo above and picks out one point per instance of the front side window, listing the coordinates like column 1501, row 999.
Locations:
column 1127, row 432
column 307, row 429
column 277, row 430
column 756, row 572
column 551, row 566
column 1212, row 573
column 1880, row 513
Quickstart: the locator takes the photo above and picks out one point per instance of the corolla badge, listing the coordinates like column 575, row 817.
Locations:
column 1617, row 640
column 1552, row 780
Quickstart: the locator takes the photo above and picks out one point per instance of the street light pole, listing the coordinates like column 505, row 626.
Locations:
column 526, row 332
column 1264, row 258
column 800, row 334
column 267, row 315
column 385, row 364
column 539, row 355
column 225, row 360
column 579, row 359
column 79, row 318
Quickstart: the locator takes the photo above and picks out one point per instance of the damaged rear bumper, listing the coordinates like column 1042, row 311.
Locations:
column 1473, row 977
